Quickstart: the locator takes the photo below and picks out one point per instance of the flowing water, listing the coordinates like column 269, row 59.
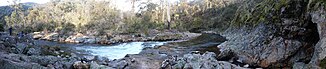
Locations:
column 120, row 50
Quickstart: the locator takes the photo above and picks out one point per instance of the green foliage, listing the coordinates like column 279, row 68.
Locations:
column 323, row 63
column 141, row 24
column 65, row 16
column 101, row 18
column 267, row 11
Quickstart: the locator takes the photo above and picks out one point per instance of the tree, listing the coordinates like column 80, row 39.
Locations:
column 168, row 15
column 17, row 17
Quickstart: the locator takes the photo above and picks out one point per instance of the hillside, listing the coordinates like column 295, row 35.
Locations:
column 7, row 10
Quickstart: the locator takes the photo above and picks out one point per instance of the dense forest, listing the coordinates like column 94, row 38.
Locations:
column 102, row 17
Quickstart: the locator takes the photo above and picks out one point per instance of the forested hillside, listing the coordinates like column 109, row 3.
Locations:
column 102, row 17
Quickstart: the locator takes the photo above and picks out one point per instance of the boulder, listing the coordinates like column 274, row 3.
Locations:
column 44, row 60
column 167, row 36
column 21, row 47
column 90, row 41
column 299, row 65
column 320, row 52
column 33, row 51
column 51, row 37
column 8, row 64
column 120, row 64
column 37, row 36
column 259, row 46
column 17, row 61
column 207, row 39
column 197, row 61
column 318, row 17
column 94, row 65
column 81, row 65
column 79, row 39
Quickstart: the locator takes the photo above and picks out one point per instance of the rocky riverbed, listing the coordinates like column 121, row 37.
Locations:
column 110, row 38
column 207, row 51
column 28, row 53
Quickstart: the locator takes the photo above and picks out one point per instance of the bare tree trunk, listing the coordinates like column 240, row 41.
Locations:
column 168, row 15
column 163, row 10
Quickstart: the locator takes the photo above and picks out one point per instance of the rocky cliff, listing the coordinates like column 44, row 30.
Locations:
column 277, row 34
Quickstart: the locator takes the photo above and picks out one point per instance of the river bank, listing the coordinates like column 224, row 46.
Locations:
column 18, row 53
column 111, row 38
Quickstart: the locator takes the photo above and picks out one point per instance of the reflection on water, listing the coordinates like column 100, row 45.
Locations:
column 120, row 50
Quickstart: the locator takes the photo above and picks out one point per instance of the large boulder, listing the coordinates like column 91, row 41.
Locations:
column 320, row 52
column 44, row 60
column 197, row 61
column 9, row 64
column 94, row 65
column 260, row 46
column 51, row 37
column 33, row 51
column 37, row 35
column 81, row 65
column 167, row 36
column 318, row 16
column 90, row 40
column 79, row 39
column 21, row 47
column 17, row 61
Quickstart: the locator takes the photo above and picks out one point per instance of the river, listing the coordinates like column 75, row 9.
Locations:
column 116, row 51
column 119, row 50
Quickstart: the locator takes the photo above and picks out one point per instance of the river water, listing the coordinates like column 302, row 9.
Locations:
column 119, row 50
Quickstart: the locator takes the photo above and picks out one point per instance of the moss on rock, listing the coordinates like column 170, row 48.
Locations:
column 322, row 63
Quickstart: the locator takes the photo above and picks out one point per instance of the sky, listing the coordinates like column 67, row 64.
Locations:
column 5, row 2
column 123, row 5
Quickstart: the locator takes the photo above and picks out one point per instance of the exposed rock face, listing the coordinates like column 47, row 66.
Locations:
column 21, row 47
column 197, row 61
column 319, row 16
column 285, row 36
column 33, row 51
column 20, row 61
column 300, row 65
column 319, row 54
column 81, row 65
column 51, row 36
column 9, row 64
column 21, row 53
column 37, row 35
column 261, row 47
column 94, row 65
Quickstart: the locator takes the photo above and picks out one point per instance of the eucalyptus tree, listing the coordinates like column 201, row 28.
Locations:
column 17, row 18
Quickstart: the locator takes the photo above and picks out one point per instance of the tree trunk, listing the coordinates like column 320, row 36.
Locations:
column 168, row 15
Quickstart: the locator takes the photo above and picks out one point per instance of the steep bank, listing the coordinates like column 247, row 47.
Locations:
column 276, row 33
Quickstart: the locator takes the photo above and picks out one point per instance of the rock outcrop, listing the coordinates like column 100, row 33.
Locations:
column 113, row 38
column 197, row 61
column 284, row 34
column 318, row 16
